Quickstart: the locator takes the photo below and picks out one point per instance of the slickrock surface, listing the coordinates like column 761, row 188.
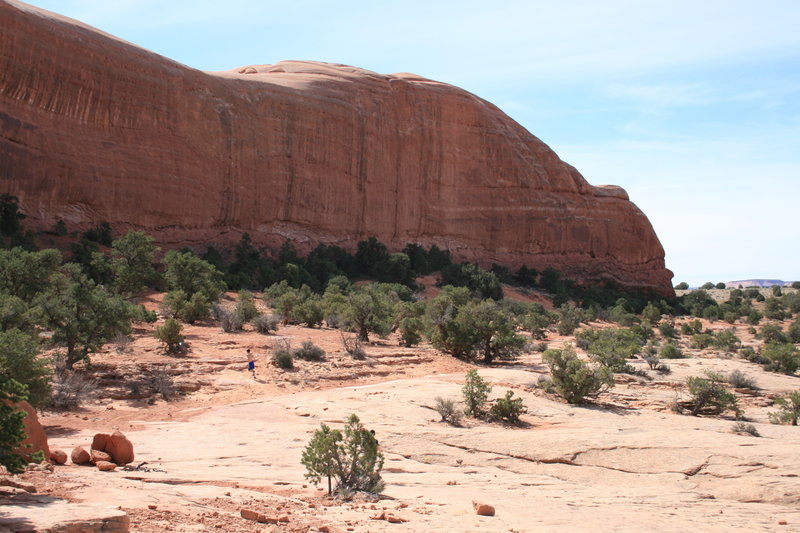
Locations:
column 95, row 129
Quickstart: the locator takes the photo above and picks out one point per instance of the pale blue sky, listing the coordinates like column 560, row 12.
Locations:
column 692, row 107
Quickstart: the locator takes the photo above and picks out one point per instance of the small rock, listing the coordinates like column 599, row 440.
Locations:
column 394, row 519
column 324, row 529
column 483, row 509
column 105, row 466
column 378, row 516
column 782, row 522
column 152, row 507
column 80, row 456
column 100, row 456
column 249, row 514
column 58, row 457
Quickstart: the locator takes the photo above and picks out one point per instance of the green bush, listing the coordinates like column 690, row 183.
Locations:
column 709, row 394
column 11, row 423
column 507, row 408
column 783, row 358
column 726, row 340
column 410, row 331
column 308, row 351
column 693, row 327
column 701, row 340
column 772, row 334
column 682, row 286
column 569, row 318
column 20, row 361
column 170, row 335
column 573, row 379
column 230, row 320
column 476, row 391
column 246, row 306
column 352, row 459
column 668, row 330
column 789, row 409
column 611, row 347
column 670, row 351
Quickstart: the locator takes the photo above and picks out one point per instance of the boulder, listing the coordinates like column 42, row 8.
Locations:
column 58, row 457
column 483, row 509
column 36, row 440
column 105, row 466
column 100, row 457
column 116, row 445
column 308, row 151
column 80, row 456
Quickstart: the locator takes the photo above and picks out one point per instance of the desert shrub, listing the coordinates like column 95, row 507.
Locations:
column 754, row 317
column 740, row 380
column 70, row 388
column 701, row 340
column 475, row 391
column 751, row 355
column 651, row 313
column 482, row 283
column 188, row 273
column 670, row 351
column 176, row 305
column 448, row 411
column 539, row 347
column 709, row 394
column 170, row 335
column 308, row 351
column 265, row 324
column 507, row 408
column 162, row 384
column 783, row 358
column 410, row 330
column 789, row 409
column 707, row 286
column 20, row 361
column 772, row 334
column 651, row 359
column 282, row 356
column 132, row 258
column 230, row 321
column 370, row 310
column 246, row 306
column 711, row 313
column 682, row 286
column 726, row 340
column 352, row 458
column 354, row 347
column 743, row 428
column 569, row 318
column 668, row 330
column 692, row 327
column 719, row 285
column 537, row 320
column 622, row 316
column 12, row 423
column 793, row 334
column 611, row 347
column 730, row 317
column 773, row 308
column 573, row 379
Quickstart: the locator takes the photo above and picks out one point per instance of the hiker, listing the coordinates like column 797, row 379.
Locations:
column 251, row 363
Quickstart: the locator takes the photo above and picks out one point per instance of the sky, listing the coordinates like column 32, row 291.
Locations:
column 692, row 107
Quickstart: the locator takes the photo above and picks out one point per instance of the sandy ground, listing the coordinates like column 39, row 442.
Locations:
column 231, row 442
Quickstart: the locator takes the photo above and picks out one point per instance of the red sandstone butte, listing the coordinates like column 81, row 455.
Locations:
column 94, row 129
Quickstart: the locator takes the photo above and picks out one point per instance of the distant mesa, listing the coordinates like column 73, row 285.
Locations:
column 93, row 128
column 745, row 283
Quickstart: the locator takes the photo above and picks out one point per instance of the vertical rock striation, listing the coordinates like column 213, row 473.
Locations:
column 95, row 129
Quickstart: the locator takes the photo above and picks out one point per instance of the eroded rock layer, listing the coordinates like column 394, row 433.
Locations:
column 96, row 129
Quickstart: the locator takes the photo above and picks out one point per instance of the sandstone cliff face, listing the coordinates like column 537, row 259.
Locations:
column 95, row 129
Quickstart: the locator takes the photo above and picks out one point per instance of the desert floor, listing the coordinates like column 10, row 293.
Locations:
column 230, row 442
